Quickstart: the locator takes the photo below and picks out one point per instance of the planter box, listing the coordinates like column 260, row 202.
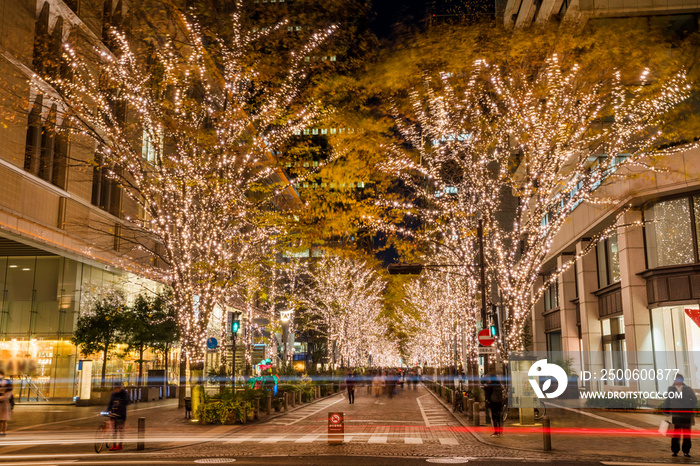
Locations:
column 100, row 398
column 150, row 394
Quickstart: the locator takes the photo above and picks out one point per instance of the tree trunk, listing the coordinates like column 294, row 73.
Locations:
column 183, row 380
column 165, row 377
column 104, row 365
column 141, row 350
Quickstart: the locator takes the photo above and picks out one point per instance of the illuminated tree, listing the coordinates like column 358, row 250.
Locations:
column 343, row 302
column 187, row 127
column 550, row 139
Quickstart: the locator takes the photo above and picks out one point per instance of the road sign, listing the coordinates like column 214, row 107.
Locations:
column 487, row 350
column 336, row 428
column 212, row 343
column 485, row 337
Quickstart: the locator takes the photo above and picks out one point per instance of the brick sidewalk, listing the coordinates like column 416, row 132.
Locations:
column 582, row 433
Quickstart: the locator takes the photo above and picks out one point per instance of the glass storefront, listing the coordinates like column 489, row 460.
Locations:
column 40, row 298
column 676, row 340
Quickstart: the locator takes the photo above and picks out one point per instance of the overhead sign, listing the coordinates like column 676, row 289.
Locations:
column 485, row 337
column 212, row 343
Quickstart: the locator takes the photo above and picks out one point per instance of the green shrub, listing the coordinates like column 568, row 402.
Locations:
column 214, row 413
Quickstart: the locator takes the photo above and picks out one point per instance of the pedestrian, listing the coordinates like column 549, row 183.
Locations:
column 680, row 404
column 5, row 406
column 350, row 383
column 118, row 402
column 377, row 385
column 493, row 394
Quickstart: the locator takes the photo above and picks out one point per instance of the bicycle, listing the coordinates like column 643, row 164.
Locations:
column 106, row 433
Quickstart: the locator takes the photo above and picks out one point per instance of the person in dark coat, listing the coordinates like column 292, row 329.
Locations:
column 680, row 404
column 351, row 383
column 493, row 395
column 118, row 402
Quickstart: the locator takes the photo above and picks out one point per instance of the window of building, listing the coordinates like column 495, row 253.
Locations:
column 148, row 149
column 551, row 294
column 105, row 191
column 608, row 262
column 614, row 349
column 46, row 149
column 671, row 232
column 554, row 345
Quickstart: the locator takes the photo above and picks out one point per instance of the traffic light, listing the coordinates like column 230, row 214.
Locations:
column 492, row 329
column 236, row 324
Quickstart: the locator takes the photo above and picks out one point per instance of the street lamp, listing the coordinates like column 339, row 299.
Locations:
column 285, row 317
column 235, row 326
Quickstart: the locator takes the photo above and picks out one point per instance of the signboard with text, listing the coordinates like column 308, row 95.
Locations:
column 336, row 428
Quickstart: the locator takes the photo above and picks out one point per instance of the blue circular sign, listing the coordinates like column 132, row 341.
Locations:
column 212, row 343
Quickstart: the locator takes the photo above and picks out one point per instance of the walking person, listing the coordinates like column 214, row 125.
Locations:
column 350, row 383
column 118, row 402
column 5, row 403
column 681, row 408
column 493, row 394
column 377, row 385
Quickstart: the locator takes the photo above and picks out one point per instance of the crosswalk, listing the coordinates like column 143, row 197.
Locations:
column 434, row 414
column 306, row 412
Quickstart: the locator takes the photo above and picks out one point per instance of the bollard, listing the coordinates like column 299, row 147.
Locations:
column 464, row 404
column 142, row 434
column 286, row 403
column 257, row 407
column 245, row 414
column 470, row 409
column 477, row 415
column 318, row 391
column 547, row 434
column 299, row 396
column 268, row 408
column 293, row 397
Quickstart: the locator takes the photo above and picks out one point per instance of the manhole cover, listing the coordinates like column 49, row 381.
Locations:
column 455, row 460
column 215, row 460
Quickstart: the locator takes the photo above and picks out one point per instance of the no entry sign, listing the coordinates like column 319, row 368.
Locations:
column 485, row 337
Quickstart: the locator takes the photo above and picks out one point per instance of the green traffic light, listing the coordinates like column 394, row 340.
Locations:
column 235, row 326
column 492, row 329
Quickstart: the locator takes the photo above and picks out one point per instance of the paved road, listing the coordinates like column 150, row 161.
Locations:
column 409, row 429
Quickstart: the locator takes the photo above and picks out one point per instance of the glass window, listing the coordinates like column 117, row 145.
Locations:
column 608, row 262
column 614, row 348
column 669, row 233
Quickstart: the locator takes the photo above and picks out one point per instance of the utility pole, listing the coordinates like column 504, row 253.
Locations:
column 235, row 325
column 482, row 276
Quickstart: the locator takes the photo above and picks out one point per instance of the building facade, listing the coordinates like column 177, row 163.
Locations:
column 61, row 216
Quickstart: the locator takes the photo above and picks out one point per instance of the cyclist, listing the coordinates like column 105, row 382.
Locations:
column 117, row 411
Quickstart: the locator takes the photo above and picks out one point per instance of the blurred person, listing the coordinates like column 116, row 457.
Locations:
column 493, row 395
column 350, row 383
column 118, row 402
column 5, row 406
column 377, row 384
column 682, row 412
